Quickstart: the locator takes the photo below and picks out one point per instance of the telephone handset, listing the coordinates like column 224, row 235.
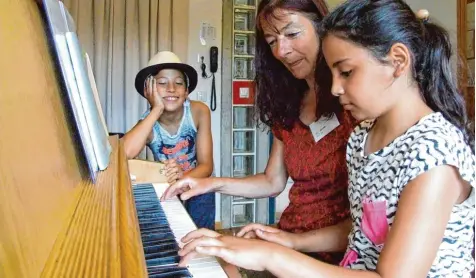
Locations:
column 213, row 59
column 213, row 69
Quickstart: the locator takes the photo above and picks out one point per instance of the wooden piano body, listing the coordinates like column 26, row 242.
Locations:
column 54, row 222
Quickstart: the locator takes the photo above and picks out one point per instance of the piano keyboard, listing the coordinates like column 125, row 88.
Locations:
column 162, row 225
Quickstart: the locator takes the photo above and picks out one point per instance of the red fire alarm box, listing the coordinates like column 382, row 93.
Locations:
column 243, row 92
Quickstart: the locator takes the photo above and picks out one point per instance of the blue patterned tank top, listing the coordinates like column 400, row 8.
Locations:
column 180, row 146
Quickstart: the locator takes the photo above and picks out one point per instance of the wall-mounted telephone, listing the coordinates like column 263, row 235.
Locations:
column 213, row 69
column 213, row 59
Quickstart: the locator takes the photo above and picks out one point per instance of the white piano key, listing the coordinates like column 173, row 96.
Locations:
column 181, row 224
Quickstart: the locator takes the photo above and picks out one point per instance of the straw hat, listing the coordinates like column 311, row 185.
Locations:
column 166, row 60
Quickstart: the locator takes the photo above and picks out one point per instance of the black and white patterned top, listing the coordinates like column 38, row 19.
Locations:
column 377, row 180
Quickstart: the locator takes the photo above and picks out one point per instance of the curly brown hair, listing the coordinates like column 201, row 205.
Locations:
column 279, row 94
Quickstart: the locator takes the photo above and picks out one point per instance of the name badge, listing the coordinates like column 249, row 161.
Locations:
column 323, row 126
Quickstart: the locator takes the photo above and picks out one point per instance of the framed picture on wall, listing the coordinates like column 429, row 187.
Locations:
column 241, row 68
column 241, row 21
column 470, row 14
column 470, row 44
column 241, row 44
column 241, row 2
column 471, row 72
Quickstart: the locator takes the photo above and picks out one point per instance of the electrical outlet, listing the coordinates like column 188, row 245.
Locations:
column 244, row 92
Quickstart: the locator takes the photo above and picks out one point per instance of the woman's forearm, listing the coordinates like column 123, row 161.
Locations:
column 256, row 186
column 270, row 183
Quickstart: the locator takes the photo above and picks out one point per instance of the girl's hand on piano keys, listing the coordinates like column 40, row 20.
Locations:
column 188, row 188
column 268, row 233
column 246, row 253
column 173, row 171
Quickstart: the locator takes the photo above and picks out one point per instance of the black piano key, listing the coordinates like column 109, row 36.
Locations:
column 165, row 269
column 143, row 191
column 174, row 274
column 163, row 261
column 152, row 224
column 150, row 210
column 150, row 214
column 157, row 236
column 147, row 218
column 161, row 254
column 161, row 247
column 163, row 230
column 147, row 203
column 158, row 240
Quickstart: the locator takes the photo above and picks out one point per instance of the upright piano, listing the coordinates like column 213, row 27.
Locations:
column 55, row 221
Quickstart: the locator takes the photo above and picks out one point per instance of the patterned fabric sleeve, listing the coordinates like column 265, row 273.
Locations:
column 154, row 128
column 437, row 145
column 354, row 140
column 147, row 112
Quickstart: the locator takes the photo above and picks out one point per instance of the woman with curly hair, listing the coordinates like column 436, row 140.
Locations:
column 309, row 126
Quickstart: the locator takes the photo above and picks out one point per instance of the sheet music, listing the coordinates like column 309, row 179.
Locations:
column 99, row 136
column 95, row 92
column 92, row 133
column 58, row 29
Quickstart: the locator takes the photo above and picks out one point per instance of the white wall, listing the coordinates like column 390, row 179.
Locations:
column 333, row 3
column 209, row 11
column 442, row 12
